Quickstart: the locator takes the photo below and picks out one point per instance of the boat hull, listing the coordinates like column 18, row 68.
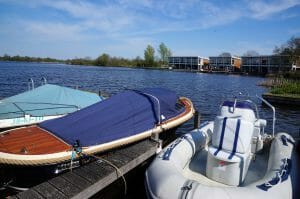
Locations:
column 167, row 177
column 44, row 157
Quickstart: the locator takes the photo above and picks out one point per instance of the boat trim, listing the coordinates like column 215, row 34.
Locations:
column 46, row 159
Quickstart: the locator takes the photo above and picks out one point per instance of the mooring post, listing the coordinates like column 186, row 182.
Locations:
column 196, row 120
column 155, row 138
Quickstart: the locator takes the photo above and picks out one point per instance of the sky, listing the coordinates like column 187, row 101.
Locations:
column 66, row 29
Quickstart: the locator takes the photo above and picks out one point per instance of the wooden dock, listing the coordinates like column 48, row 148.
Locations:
column 87, row 180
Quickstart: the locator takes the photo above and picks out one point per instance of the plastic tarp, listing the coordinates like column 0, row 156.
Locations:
column 46, row 100
column 122, row 115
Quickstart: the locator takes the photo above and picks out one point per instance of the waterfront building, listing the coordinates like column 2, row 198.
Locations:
column 268, row 64
column 188, row 62
column 225, row 63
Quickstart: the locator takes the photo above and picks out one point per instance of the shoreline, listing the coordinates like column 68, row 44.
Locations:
column 149, row 68
column 284, row 99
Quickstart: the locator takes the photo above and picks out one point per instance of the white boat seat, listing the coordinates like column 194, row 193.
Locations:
column 229, row 155
column 232, row 135
column 227, row 171
column 239, row 109
column 223, row 155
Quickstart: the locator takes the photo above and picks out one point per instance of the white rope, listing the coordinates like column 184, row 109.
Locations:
column 18, row 188
column 7, row 185
column 116, row 168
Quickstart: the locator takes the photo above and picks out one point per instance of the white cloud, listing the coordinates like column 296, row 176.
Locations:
column 103, row 17
column 51, row 31
column 264, row 9
column 216, row 15
column 119, row 25
column 146, row 16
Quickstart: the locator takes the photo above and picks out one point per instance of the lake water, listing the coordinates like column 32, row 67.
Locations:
column 207, row 91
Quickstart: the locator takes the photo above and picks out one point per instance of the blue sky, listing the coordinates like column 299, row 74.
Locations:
column 67, row 29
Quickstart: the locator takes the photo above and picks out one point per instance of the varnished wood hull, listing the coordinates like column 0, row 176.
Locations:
column 35, row 146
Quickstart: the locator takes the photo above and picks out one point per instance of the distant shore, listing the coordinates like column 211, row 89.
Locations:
column 163, row 67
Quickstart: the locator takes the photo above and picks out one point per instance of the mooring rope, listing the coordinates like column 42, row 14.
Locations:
column 115, row 167
column 78, row 150
column 7, row 185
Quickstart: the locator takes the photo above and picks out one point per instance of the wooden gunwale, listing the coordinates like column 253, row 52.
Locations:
column 57, row 150
column 188, row 106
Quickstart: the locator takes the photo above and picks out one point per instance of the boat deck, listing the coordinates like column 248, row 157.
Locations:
column 32, row 141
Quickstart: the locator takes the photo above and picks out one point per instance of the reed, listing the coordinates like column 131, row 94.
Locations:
column 287, row 87
column 274, row 81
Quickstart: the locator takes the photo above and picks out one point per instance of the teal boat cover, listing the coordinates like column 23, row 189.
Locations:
column 46, row 100
column 122, row 115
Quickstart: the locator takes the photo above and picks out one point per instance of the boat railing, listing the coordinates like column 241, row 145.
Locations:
column 30, row 84
column 44, row 81
column 23, row 112
column 244, row 98
column 273, row 109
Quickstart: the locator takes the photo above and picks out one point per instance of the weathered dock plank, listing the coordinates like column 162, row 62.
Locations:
column 67, row 188
column 89, row 179
column 47, row 190
column 127, row 166
column 74, row 179
column 28, row 195
column 87, row 174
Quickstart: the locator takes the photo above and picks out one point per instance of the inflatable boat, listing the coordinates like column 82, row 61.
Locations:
column 230, row 157
column 121, row 119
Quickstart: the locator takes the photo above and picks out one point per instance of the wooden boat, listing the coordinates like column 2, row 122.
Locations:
column 230, row 157
column 123, row 118
column 43, row 103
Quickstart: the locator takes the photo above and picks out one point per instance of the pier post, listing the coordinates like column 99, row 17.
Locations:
column 196, row 120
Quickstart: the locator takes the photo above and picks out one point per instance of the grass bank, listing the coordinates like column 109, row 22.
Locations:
column 287, row 87
column 284, row 89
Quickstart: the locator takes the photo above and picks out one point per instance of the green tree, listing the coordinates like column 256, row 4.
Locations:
column 103, row 60
column 251, row 53
column 225, row 54
column 6, row 57
column 149, row 56
column 291, row 48
column 138, row 62
column 164, row 52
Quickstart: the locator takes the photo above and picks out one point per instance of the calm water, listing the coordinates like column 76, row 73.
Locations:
column 206, row 91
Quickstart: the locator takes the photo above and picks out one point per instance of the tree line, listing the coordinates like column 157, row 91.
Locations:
column 6, row 57
column 149, row 60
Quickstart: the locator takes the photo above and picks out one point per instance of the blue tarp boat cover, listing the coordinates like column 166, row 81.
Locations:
column 122, row 115
column 46, row 100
